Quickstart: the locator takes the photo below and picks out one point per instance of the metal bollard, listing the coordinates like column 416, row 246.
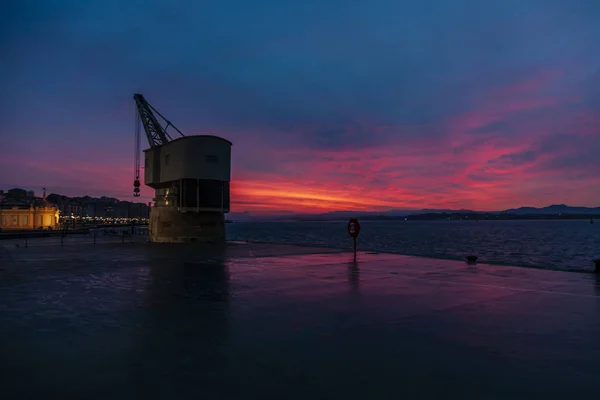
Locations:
column 25, row 242
column 94, row 237
column 62, row 238
column 122, row 237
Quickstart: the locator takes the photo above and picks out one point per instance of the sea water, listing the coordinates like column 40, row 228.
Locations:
column 552, row 244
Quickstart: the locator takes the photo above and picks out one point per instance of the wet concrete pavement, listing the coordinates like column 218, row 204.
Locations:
column 154, row 321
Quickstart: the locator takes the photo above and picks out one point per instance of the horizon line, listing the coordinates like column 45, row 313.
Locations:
column 290, row 212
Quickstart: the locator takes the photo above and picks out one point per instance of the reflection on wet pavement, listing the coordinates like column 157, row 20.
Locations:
column 247, row 320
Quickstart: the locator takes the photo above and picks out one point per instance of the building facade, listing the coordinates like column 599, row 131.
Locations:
column 28, row 217
column 22, row 215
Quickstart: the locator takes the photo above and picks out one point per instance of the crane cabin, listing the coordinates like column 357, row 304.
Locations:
column 191, row 173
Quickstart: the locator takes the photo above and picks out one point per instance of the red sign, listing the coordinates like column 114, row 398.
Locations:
column 353, row 227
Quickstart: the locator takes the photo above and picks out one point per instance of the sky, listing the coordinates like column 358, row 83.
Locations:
column 330, row 104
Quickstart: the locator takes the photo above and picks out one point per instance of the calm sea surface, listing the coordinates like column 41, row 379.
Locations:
column 548, row 244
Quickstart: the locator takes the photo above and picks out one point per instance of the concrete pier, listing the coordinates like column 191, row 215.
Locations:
column 169, row 225
column 158, row 321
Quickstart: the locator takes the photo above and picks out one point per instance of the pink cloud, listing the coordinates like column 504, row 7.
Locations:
column 514, row 147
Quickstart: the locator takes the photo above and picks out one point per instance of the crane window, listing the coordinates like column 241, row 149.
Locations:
column 167, row 158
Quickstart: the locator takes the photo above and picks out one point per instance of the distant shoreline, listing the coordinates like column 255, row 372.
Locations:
column 442, row 217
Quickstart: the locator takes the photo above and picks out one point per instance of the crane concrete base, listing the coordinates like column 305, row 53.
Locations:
column 170, row 225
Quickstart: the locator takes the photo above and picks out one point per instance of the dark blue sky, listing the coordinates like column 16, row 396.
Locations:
column 405, row 103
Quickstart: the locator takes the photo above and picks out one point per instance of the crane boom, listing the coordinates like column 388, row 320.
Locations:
column 157, row 135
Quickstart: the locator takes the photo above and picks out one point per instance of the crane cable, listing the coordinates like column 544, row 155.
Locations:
column 136, row 158
column 136, row 166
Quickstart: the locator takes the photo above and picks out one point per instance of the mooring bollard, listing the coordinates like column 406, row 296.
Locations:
column 597, row 265
column 471, row 259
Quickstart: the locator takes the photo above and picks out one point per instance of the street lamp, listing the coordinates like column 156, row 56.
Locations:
column 1, row 218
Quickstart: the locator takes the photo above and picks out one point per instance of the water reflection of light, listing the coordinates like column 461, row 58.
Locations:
column 184, row 314
column 142, row 277
column 353, row 274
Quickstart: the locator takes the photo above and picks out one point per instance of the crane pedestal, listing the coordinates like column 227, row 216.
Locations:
column 170, row 225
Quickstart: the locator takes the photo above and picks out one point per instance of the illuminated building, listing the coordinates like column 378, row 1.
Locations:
column 23, row 214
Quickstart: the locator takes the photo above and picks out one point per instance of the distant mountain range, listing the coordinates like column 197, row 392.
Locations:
column 553, row 210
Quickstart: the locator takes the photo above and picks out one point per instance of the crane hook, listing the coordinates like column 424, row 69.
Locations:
column 136, row 158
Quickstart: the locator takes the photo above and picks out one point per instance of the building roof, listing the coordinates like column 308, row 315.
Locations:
column 14, row 203
column 10, row 203
column 191, row 137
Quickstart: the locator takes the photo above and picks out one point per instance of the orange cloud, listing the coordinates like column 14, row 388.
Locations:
column 496, row 156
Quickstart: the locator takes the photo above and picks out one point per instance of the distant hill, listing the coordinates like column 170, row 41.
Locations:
column 554, row 209
column 549, row 210
column 390, row 213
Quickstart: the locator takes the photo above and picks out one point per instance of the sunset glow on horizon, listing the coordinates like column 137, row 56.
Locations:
column 373, row 106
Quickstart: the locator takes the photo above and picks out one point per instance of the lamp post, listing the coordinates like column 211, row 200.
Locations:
column 1, row 218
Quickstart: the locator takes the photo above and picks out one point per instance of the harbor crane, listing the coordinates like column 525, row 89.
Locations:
column 190, row 176
column 157, row 134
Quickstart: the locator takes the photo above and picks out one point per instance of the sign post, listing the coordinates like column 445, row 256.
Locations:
column 353, row 231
